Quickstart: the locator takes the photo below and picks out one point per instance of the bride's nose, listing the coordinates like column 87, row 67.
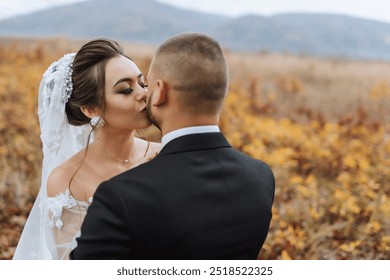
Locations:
column 141, row 96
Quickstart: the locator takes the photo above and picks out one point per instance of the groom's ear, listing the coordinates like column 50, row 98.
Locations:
column 90, row 112
column 160, row 94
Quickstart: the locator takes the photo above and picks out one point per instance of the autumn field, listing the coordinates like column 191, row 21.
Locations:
column 322, row 124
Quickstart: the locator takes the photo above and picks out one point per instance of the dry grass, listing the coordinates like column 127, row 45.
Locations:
column 332, row 87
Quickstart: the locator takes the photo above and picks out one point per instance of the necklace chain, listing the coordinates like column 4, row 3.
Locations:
column 122, row 161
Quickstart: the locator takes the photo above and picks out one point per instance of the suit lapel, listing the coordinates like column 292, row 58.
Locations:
column 196, row 142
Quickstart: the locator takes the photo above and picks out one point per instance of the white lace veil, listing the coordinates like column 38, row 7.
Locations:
column 60, row 141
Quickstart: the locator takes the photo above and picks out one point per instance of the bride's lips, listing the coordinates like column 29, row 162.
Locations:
column 143, row 110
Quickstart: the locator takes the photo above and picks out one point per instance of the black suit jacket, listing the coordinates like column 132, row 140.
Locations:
column 198, row 199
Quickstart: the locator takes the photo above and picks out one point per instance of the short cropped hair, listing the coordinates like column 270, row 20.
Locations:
column 194, row 66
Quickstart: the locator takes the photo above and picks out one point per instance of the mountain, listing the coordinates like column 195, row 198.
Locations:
column 143, row 21
column 316, row 34
column 152, row 22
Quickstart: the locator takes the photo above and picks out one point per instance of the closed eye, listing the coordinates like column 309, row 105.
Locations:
column 126, row 91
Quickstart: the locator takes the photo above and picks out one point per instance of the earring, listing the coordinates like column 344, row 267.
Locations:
column 97, row 121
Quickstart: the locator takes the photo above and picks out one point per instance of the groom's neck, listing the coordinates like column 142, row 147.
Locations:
column 182, row 121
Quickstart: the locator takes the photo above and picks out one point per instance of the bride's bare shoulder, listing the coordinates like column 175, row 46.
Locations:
column 61, row 176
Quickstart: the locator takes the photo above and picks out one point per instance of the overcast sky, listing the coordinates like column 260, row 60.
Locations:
column 371, row 9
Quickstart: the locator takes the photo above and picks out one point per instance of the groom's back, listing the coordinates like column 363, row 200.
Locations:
column 197, row 203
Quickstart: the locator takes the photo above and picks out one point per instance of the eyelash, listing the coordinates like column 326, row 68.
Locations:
column 127, row 91
column 130, row 90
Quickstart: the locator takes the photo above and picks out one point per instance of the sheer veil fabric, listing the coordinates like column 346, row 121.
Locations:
column 60, row 141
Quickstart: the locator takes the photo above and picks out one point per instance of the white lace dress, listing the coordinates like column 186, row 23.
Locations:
column 66, row 214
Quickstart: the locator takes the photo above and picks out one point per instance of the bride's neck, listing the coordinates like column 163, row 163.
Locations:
column 114, row 145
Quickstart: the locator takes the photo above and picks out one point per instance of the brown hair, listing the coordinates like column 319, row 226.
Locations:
column 89, row 78
column 194, row 65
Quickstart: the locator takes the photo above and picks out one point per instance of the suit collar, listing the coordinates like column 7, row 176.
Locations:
column 188, row 130
column 196, row 142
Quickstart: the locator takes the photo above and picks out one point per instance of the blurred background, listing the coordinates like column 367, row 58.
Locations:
column 309, row 94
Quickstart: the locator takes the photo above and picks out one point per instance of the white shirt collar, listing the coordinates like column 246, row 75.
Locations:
column 186, row 131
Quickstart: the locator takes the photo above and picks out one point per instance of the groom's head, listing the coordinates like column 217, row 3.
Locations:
column 187, row 81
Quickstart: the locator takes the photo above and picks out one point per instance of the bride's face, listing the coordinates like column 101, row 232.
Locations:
column 125, row 95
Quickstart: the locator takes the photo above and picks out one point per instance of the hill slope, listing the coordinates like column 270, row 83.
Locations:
column 152, row 22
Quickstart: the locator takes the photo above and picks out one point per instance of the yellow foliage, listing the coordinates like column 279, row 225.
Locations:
column 285, row 255
column 373, row 227
column 351, row 246
column 380, row 90
column 315, row 214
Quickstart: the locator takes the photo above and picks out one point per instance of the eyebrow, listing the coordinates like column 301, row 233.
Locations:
column 127, row 79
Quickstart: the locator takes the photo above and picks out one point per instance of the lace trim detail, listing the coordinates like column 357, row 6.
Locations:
column 56, row 204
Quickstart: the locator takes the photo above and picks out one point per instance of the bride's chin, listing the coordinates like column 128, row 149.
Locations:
column 148, row 124
column 145, row 124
